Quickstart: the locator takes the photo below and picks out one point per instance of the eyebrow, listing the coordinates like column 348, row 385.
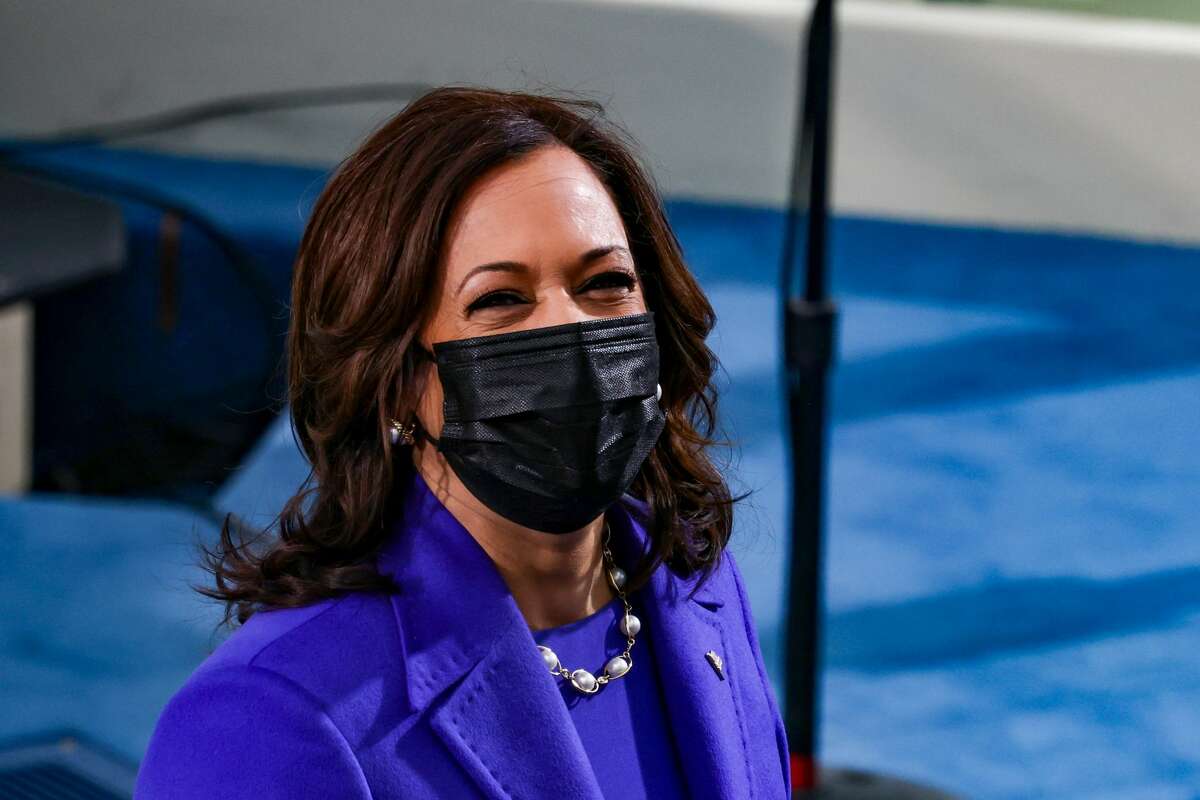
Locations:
column 594, row 254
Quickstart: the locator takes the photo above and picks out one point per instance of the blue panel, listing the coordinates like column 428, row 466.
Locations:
column 118, row 386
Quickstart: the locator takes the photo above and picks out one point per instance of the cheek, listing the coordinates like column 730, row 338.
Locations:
column 637, row 301
column 430, row 404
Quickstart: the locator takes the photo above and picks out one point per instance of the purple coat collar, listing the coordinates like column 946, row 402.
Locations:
column 472, row 661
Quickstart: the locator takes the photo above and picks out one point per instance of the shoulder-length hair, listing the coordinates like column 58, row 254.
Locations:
column 367, row 268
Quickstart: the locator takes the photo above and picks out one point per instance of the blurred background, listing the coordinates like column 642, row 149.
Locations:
column 1013, row 573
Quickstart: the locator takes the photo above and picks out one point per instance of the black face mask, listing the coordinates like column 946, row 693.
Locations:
column 549, row 426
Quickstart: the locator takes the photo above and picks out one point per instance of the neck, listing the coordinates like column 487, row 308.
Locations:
column 554, row 578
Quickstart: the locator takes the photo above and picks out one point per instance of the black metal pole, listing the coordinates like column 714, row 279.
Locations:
column 809, row 324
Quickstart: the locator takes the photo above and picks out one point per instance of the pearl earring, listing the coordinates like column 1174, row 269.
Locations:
column 402, row 433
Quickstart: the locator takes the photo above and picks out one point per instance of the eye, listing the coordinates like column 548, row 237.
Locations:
column 612, row 279
column 497, row 298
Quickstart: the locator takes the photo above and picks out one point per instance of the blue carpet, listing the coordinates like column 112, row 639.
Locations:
column 100, row 625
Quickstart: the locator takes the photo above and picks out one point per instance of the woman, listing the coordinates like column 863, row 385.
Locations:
column 509, row 579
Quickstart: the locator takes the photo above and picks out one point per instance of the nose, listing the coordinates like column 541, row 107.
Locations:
column 559, row 308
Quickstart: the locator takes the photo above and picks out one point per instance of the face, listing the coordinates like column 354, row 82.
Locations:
column 533, row 243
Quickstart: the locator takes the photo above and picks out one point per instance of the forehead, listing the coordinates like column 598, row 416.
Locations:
column 547, row 206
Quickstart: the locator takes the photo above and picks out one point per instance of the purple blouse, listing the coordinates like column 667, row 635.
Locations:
column 623, row 726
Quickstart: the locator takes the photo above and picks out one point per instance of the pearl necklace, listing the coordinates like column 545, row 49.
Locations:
column 618, row 665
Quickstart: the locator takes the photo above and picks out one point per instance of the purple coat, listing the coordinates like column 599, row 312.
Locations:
column 439, row 690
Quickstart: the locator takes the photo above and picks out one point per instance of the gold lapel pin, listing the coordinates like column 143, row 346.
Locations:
column 717, row 664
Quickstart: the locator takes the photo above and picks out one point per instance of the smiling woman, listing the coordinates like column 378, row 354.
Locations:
column 498, row 371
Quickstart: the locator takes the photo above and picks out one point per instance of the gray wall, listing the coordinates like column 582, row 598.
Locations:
column 968, row 114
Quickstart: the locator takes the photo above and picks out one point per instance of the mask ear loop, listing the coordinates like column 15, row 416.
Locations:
column 420, row 432
column 415, row 429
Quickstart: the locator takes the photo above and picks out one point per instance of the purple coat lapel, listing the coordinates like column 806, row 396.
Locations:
column 471, row 660
column 705, row 719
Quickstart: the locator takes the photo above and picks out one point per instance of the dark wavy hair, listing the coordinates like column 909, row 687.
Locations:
column 367, row 267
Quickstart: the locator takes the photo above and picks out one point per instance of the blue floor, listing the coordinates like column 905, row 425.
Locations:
column 1013, row 587
column 99, row 627
column 1013, row 574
